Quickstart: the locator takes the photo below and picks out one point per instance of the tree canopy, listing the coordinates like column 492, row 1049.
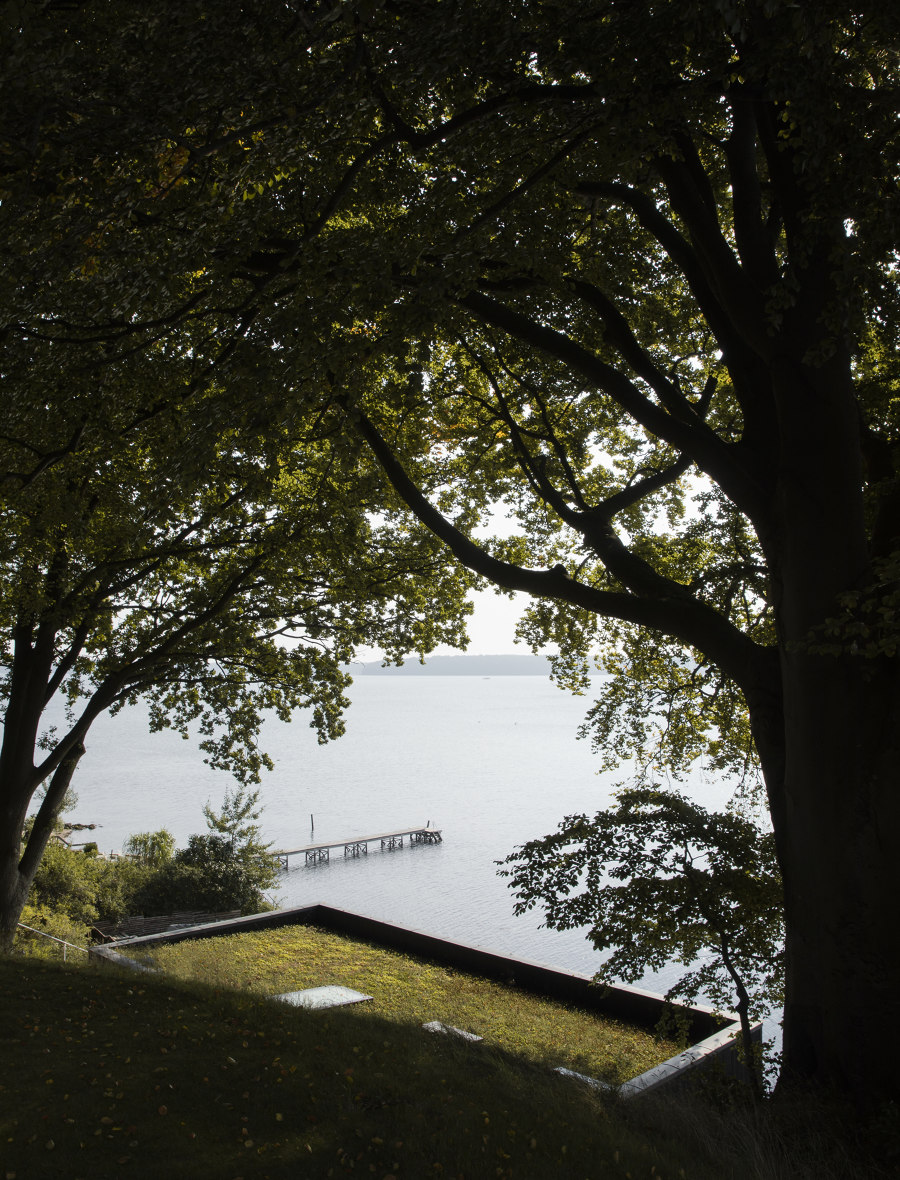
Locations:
column 192, row 550
column 628, row 268
column 184, row 519
column 658, row 879
column 226, row 867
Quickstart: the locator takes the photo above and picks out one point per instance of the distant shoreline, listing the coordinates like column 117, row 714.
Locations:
column 462, row 665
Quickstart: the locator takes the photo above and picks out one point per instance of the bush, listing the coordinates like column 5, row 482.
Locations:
column 65, row 883
column 116, row 883
column 211, row 849
column 209, row 875
column 58, row 925
column 84, row 888
column 152, row 849
column 227, row 868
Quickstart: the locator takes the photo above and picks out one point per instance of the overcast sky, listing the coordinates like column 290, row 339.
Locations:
column 492, row 627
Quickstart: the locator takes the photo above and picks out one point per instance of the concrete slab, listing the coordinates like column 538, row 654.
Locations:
column 438, row 1026
column 331, row 996
column 594, row 1083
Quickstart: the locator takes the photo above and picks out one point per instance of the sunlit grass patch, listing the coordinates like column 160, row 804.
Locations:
column 407, row 990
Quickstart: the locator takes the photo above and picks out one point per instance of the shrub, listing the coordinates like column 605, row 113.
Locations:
column 65, row 883
column 84, row 888
column 209, row 875
column 116, row 883
column 58, row 925
column 226, row 868
column 151, row 849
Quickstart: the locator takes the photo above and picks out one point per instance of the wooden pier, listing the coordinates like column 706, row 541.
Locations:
column 359, row 845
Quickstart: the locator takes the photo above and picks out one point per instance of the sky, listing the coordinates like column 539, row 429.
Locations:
column 492, row 627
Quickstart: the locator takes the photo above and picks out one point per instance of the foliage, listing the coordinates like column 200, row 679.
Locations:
column 209, row 874
column 226, row 868
column 620, row 268
column 582, row 378
column 184, row 520
column 650, row 277
column 237, row 821
column 151, row 849
column 85, row 889
column 660, row 879
column 55, row 923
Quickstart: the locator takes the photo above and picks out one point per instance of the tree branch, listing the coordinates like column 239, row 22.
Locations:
column 618, row 332
column 754, row 241
column 750, row 376
column 737, row 297
column 634, row 493
column 46, row 817
column 694, row 438
column 687, row 620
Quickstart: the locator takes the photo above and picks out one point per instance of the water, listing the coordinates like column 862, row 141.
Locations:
column 492, row 762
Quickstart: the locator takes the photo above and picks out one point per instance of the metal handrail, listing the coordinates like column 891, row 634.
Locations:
column 53, row 938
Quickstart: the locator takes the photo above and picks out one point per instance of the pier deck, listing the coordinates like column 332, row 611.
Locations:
column 359, row 845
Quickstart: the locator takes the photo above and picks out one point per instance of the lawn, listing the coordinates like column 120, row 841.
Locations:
column 117, row 1074
column 409, row 991
column 114, row 1074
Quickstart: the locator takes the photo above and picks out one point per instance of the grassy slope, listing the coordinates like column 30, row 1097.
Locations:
column 107, row 1074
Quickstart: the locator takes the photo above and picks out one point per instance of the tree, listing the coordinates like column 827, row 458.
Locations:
column 83, row 888
column 209, row 874
column 658, row 878
column 235, row 829
column 166, row 537
column 166, row 533
column 646, row 256
column 150, row 849
column 237, row 820
column 651, row 249
column 183, row 557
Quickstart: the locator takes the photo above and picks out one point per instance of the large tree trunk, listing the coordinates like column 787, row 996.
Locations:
column 837, row 823
column 19, row 864
column 31, row 686
column 13, row 887
column 840, row 853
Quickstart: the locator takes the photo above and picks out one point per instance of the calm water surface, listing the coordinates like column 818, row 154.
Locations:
column 492, row 762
